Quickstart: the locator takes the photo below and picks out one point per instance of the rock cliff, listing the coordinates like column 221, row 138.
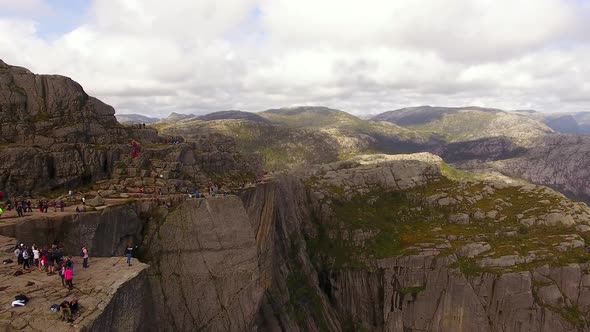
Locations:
column 377, row 243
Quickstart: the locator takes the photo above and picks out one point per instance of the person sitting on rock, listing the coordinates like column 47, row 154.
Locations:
column 75, row 307
column 65, row 313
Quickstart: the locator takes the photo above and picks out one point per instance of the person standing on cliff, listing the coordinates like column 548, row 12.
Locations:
column 85, row 257
column 129, row 253
column 36, row 256
column 69, row 275
column 25, row 255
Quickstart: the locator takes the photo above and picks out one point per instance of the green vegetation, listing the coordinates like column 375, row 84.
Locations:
column 468, row 267
column 412, row 290
column 382, row 223
column 41, row 116
column 461, row 126
column 452, row 173
column 304, row 301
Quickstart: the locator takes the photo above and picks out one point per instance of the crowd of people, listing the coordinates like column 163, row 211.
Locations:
column 51, row 260
column 22, row 206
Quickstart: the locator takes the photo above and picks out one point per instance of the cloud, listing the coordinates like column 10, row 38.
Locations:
column 155, row 57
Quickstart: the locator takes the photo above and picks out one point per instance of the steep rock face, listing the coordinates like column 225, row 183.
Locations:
column 130, row 309
column 204, row 273
column 293, row 300
column 561, row 162
column 426, row 290
column 423, row 293
column 105, row 233
column 48, row 109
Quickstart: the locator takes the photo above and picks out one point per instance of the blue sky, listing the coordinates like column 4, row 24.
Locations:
column 53, row 17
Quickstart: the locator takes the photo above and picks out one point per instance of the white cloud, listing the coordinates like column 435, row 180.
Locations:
column 154, row 57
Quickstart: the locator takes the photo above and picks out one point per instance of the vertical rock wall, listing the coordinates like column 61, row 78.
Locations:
column 204, row 274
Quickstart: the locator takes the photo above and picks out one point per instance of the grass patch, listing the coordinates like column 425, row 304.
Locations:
column 411, row 290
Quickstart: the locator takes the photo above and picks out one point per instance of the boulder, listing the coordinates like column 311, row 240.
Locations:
column 503, row 261
column 459, row 218
column 558, row 219
column 96, row 201
column 473, row 249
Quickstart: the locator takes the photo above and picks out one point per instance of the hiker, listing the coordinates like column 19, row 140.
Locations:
column 18, row 255
column 61, row 206
column 83, row 201
column 25, row 255
column 69, row 277
column 129, row 253
column 84, row 255
column 36, row 256
column 62, row 274
column 43, row 261
column 77, row 209
column 50, row 261
column 70, row 263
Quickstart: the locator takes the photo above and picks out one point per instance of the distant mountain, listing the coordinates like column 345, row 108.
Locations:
column 233, row 115
column 565, row 123
column 178, row 116
column 462, row 124
column 422, row 115
column 135, row 118
column 309, row 117
column 583, row 119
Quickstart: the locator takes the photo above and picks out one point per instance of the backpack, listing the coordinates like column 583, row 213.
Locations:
column 81, row 253
column 54, row 308
column 22, row 297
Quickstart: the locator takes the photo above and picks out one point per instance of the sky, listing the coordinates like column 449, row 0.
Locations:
column 155, row 57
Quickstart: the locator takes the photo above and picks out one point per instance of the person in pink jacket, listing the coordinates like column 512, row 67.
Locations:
column 69, row 277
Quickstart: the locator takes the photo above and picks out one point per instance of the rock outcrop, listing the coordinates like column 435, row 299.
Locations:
column 53, row 136
column 112, row 296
